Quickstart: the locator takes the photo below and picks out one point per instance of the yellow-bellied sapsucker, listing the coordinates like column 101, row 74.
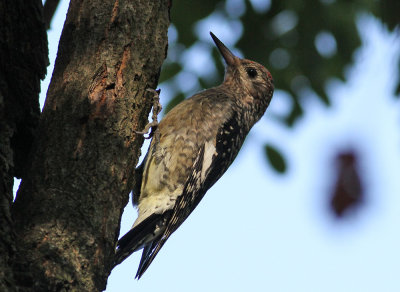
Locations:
column 196, row 143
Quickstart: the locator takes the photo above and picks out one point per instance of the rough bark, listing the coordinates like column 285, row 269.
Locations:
column 68, row 208
column 23, row 62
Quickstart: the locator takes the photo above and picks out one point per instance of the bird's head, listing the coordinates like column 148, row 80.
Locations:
column 247, row 75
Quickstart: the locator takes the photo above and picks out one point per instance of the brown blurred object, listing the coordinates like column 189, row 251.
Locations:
column 348, row 192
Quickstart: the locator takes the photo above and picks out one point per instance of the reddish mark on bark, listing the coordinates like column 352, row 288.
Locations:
column 104, row 89
column 101, row 94
column 114, row 13
column 122, row 66
column 79, row 143
column 96, row 89
column 45, row 238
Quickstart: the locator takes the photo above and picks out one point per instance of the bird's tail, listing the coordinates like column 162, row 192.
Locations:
column 144, row 261
column 146, row 234
column 136, row 238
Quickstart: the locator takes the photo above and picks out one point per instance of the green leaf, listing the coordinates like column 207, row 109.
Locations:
column 275, row 158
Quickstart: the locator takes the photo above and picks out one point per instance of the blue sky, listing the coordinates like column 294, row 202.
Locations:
column 256, row 230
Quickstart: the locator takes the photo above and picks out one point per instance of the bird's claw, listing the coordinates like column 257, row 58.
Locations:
column 156, row 110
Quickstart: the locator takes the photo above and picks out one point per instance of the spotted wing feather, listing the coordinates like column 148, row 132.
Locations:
column 198, row 183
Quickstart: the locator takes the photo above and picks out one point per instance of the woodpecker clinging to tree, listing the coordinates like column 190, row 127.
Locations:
column 193, row 146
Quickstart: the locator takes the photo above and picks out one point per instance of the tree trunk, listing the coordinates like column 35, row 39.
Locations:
column 23, row 62
column 69, row 205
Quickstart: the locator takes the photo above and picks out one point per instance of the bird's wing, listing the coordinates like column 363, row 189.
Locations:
column 175, row 221
column 211, row 162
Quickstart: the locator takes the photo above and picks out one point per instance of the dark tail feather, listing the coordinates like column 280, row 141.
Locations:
column 136, row 238
column 145, row 255
column 149, row 254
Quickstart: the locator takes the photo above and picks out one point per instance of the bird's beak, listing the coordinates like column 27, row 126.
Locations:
column 225, row 52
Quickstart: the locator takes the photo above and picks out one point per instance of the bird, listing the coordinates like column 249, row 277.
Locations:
column 192, row 147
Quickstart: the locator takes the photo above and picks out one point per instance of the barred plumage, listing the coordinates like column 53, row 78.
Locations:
column 196, row 143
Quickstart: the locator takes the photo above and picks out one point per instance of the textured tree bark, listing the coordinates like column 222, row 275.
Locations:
column 23, row 62
column 68, row 208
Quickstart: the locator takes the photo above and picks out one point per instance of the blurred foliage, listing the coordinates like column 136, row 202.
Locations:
column 275, row 158
column 303, row 43
column 348, row 194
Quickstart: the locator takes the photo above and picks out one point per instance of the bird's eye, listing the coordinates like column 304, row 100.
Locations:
column 251, row 72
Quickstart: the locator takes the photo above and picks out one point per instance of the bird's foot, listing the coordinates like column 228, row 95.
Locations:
column 156, row 110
